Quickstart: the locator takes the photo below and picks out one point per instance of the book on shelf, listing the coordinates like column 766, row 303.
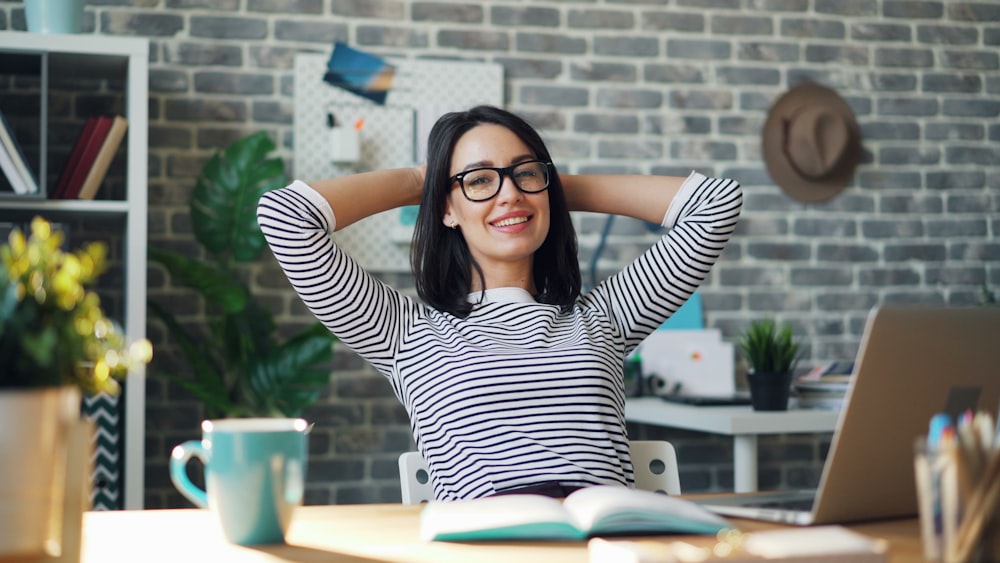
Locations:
column 588, row 512
column 82, row 157
column 14, row 162
column 99, row 169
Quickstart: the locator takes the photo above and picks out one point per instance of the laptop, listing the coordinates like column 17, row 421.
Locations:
column 913, row 362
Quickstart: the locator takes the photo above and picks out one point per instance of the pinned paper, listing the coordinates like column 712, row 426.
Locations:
column 360, row 73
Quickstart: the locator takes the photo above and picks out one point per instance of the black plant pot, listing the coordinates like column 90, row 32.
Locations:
column 769, row 391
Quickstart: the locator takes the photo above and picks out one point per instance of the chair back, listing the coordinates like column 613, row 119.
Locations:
column 654, row 463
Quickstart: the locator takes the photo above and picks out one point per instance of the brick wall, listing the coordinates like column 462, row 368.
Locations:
column 650, row 86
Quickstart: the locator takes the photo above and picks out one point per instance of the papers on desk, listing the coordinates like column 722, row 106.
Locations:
column 824, row 387
column 688, row 362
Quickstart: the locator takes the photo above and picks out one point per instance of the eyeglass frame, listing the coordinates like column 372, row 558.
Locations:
column 504, row 172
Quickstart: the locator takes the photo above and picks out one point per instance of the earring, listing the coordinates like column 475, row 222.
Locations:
column 452, row 224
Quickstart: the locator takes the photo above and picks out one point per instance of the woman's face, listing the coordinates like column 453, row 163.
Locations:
column 506, row 230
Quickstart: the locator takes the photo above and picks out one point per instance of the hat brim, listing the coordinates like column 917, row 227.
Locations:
column 781, row 171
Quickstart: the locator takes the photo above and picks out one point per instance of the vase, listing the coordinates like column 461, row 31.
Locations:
column 54, row 16
column 36, row 425
column 769, row 391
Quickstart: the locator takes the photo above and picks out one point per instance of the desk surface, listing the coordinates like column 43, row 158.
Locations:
column 728, row 420
column 368, row 532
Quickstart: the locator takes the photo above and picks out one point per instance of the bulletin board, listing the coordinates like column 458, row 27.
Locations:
column 391, row 136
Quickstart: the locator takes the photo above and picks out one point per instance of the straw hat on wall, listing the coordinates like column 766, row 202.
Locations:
column 811, row 142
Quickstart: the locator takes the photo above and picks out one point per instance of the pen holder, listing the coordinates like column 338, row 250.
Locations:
column 958, row 496
column 345, row 145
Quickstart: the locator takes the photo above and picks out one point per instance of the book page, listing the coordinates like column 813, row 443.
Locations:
column 610, row 509
column 497, row 518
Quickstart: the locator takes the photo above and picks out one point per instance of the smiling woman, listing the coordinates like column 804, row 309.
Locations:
column 512, row 378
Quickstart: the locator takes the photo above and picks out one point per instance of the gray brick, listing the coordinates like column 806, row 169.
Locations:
column 882, row 180
column 912, row 9
column 648, row 150
column 969, row 60
column 448, row 12
column 673, row 21
column 474, row 40
column 529, row 68
column 700, row 99
column 947, row 35
column 889, row 131
column 820, row 277
column 991, row 36
column 205, row 110
column 741, row 25
column 851, row 8
column 385, row 9
column 147, row 25
column 953, row 275
column 911, row 58
column 555, row 96
column 298, row 7
column 979, row 251
column 203, row 54
column 315, row 31
column 591, row 123
column 954, row 132
column 925, row 156
column 952, row 82
column 740, row 125
column 971, row 108
column 220, row 27
column 698, row 49
column 768, row 52
column 748, row 276
column 813, row 29
column 779, row 251
column 781, row 5
column 165, row 81
column 781, row 300
column 749, row 75
column 545, row 43
column 626, row 46
column 386, row 36
column 881, row 32
column 677, row 124
column 823, row 227
column 907, row 106
column 977, row 203
column 984, row 11
column 681, row 74
column 526, row 16
column 956, row 179
column 914, row 251
column 851, row 301
column 893, row 82
column 340, row 469
column 600, row 19
column 266, row 56
column 217, row 5
column 604, row 72
column 973, row 155
column 911, row 204
column 848, row 55
column 715, row 4
column 703, row 151
column 233, row 83
column 892, row 228
column 846, row 253
column 964, row 227
column 628, row 98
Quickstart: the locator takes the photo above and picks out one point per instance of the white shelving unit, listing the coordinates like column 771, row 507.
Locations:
column 116, row 58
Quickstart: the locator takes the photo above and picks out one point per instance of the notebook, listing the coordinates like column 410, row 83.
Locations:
column 913, row 362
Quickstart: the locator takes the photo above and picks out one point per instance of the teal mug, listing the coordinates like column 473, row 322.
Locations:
column 255, row 471
column 54, row 16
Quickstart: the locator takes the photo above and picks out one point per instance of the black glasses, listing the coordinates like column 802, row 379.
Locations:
column 481, row 184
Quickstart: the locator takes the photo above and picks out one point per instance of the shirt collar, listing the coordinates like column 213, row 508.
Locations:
column 502, row 295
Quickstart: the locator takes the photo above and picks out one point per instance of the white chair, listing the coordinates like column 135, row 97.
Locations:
column 654, row 463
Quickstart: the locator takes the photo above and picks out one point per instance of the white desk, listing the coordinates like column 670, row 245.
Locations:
column 741, row 422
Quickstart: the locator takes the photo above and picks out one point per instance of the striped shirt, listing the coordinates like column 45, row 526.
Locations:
column 518, row 393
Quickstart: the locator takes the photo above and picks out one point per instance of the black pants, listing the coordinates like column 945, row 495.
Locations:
column 552, row 489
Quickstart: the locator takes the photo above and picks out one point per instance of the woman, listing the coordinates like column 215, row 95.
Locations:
column 512, row 380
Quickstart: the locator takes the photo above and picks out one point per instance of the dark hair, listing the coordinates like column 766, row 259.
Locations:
column 440, row 257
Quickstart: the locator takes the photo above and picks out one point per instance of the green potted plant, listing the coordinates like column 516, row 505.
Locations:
column 237, row 364
column 55, row 344
column 772, row 353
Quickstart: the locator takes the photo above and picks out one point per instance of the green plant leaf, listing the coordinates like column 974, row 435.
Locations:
column 218, row 287
column 290, row 379
column 768, row 348
column 224, row 201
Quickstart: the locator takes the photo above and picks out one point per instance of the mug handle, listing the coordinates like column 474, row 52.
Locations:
column 178, row 471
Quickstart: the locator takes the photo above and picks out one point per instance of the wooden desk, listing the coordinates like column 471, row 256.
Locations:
column 741, row 422
column 366, row 532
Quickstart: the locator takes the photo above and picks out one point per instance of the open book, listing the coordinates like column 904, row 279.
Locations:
column 588, row 512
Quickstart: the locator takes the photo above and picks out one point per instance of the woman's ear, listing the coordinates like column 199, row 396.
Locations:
column 449, row 218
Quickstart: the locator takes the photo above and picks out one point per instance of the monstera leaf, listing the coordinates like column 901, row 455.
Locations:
column 236, row 362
